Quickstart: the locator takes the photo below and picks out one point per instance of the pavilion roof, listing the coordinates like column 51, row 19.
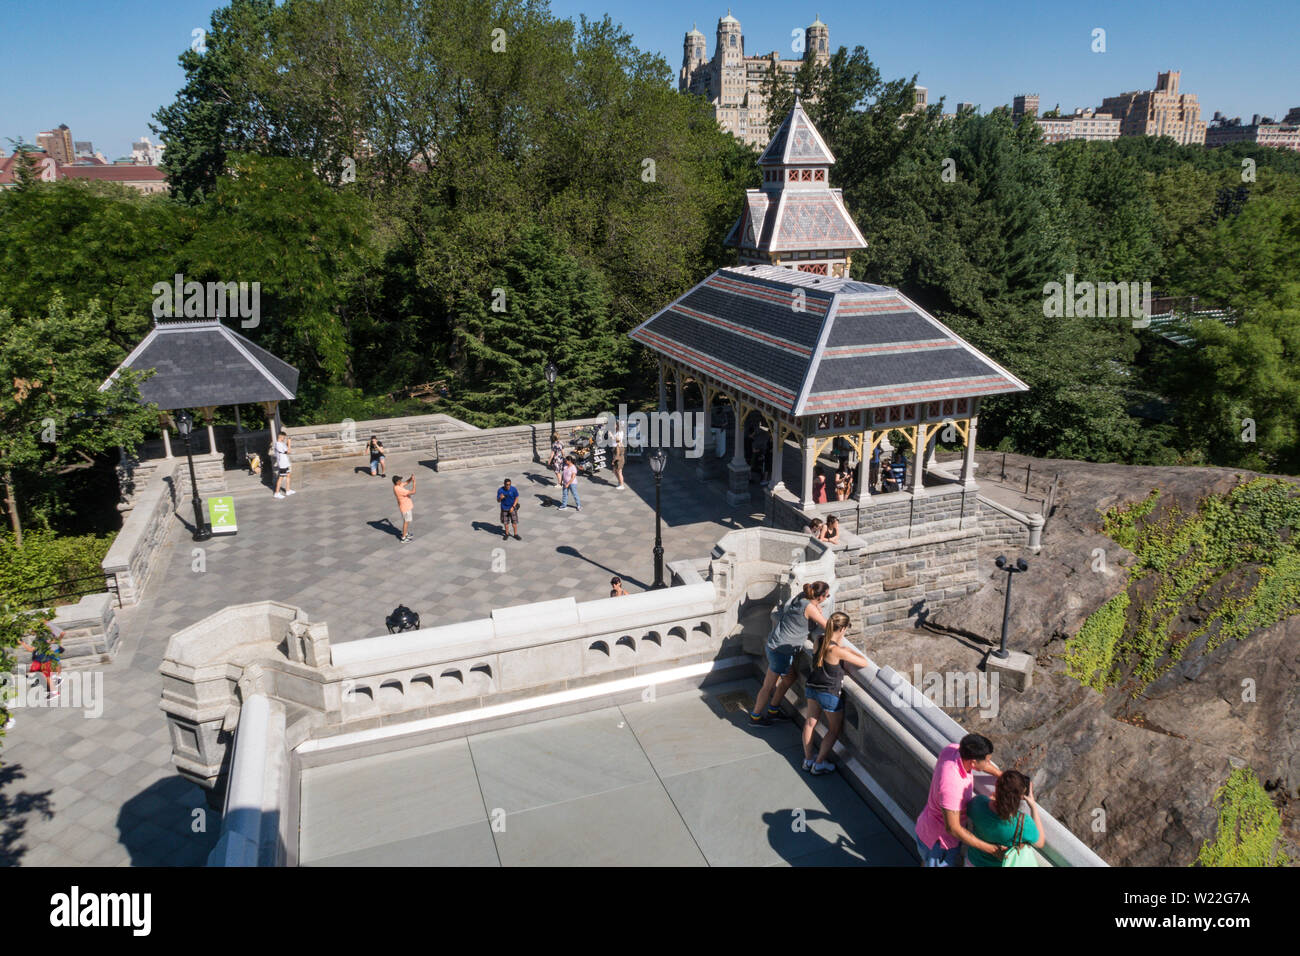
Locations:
column 807, row 344
column 202, row 362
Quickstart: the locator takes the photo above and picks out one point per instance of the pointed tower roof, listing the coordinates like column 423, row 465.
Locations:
column 694, row 31
column 728, row 18
column 797, row 142
column 796, row 210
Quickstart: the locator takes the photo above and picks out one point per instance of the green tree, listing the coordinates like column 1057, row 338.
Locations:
column 273, row 221
column 88, row 242
column 53, row 417
column 542, row 305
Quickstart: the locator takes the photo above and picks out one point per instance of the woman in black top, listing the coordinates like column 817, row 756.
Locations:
column 824, row 690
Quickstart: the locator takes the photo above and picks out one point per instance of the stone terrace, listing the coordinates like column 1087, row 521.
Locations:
column 78, row 791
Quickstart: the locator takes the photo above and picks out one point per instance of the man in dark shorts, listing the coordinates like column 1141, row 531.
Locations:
column 508, row 498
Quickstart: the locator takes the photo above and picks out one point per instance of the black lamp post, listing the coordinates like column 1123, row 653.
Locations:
column 1003, row 565
column 551, row 372
column 657, row 462
column 185, row 425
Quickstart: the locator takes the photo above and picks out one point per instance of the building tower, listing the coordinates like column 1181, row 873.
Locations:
column 817, row 41
column 694, row 58
column 729, row 62
column 796, row 219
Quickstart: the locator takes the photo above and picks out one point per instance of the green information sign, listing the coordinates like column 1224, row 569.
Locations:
column 221, row 514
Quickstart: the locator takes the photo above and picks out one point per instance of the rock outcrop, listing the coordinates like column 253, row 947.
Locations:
column 1134, row 774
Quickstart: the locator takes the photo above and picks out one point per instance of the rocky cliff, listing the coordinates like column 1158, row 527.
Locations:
column 1133, row 769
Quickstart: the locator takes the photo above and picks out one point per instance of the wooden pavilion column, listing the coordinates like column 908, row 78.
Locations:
column 920, row 435
column 208, row 412
column 868, row 446
column 679, row 406
column 164, row 419
column 272, row 410
column 968, row 461
column 663, row 391
column 738, row 469
column 808, row 447
column 778, row 448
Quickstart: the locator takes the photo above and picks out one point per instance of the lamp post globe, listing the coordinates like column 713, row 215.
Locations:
column 657, row 462
column 185, row 425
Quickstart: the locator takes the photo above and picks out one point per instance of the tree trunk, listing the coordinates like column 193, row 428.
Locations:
column 11, row 502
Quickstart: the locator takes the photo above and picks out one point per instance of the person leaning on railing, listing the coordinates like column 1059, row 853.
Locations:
column 1000, row 822
column 941, row 829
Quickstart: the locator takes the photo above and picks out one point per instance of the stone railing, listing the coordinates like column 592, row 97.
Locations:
column 266, row 676
column 889, row 745
column 131, row 558
column 1002, row 526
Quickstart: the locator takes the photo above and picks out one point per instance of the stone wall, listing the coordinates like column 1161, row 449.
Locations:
column 130, row 559
column 500, row 446
column 90, row 632
column 336, row 440
column 1000, row 528
column 912, row 578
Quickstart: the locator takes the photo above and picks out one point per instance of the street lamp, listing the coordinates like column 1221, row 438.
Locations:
column 551, row 372
column 1003, row 565
column 657, row 462
column 185, row 425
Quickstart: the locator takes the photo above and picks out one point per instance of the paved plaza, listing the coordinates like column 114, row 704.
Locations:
column 677, row 781
column 77, row 790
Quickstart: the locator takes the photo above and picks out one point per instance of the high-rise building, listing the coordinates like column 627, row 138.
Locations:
column 733, row 82
column 1159, row 112
column 57, row 143
column 1084, row 124
column 146, row 153
column 1262, row 130
column 1026, row 104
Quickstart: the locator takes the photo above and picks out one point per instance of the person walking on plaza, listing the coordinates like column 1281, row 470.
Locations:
column 404, row 490
column 557, row 458
column 620, row 451
column 825, row 691
column 801, row 614
column 941, row 828
column 378, row 458
column 569, row 483
column 283, row 465
column 508, row 498
column 616, row 588
column 999, row 821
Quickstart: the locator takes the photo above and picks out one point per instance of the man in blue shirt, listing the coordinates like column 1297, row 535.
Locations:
column 508, row 498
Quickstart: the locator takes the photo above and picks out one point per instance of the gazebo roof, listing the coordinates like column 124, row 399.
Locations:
column 807, row 344
column 200, row 362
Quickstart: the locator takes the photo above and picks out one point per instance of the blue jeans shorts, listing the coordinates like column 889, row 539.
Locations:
column 937, row 855
column 779, row 663
column 831, row 703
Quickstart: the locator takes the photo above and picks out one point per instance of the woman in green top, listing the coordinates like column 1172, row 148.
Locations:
column 994, row 821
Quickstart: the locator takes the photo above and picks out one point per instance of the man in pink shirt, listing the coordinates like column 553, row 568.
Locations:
column 941, row 827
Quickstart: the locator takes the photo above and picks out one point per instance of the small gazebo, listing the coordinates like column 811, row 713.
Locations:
column 202, row 364
column 787, row 335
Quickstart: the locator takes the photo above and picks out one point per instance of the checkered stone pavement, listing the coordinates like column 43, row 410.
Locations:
column 77, row 790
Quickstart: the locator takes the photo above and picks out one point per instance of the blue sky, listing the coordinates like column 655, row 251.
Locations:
column 105, row 67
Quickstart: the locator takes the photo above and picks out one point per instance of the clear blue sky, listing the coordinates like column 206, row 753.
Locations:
column 104, row 66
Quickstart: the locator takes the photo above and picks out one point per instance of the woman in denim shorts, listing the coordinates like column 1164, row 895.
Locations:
column 798, row 618
column 824, row 689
